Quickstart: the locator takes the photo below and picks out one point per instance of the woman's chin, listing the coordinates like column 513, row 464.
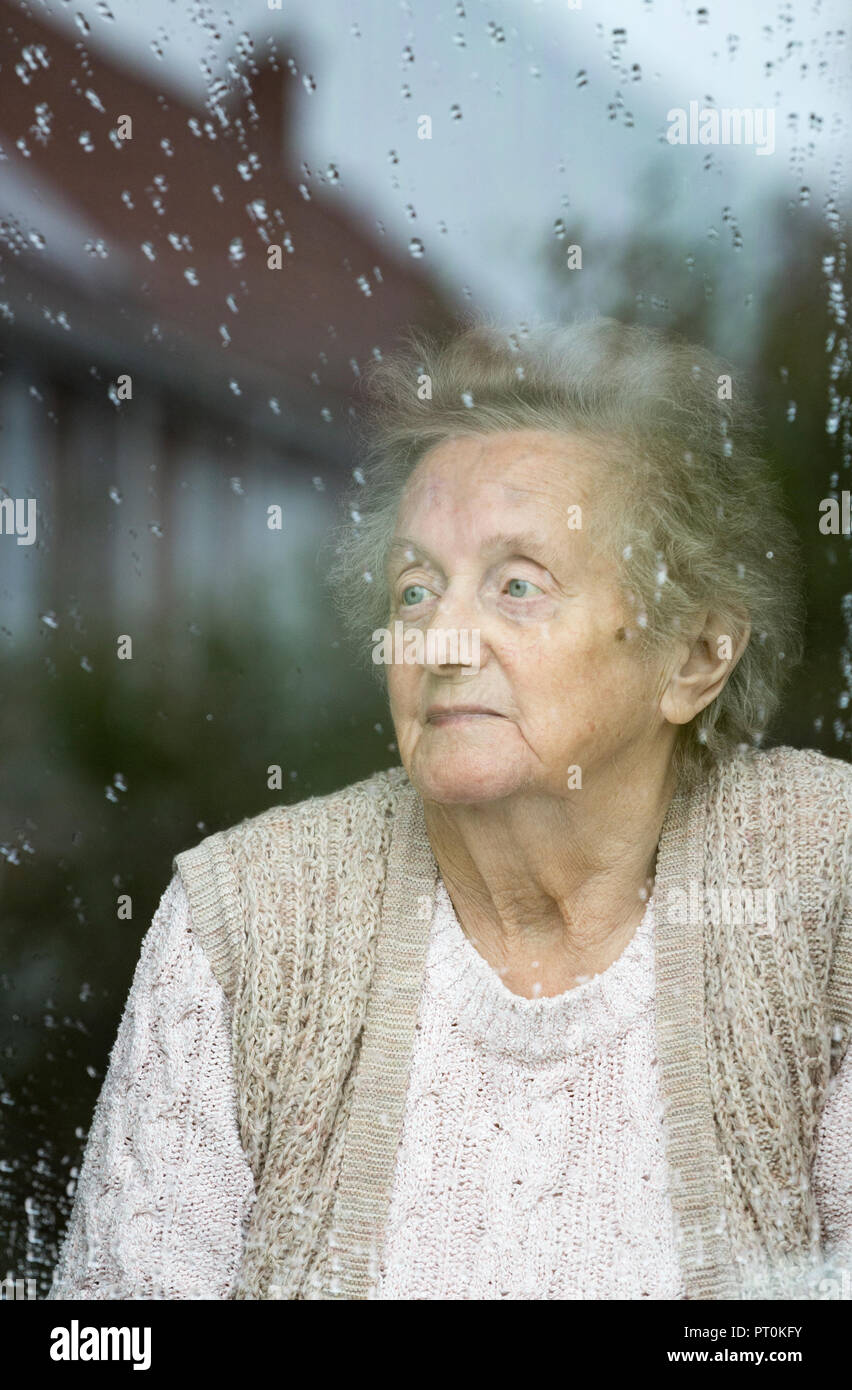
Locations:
column 462, row 777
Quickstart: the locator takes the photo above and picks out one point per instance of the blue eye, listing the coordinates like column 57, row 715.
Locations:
column 418, row 590
column 522, row 582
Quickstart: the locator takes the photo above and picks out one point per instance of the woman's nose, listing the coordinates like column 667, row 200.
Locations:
column 454, row 632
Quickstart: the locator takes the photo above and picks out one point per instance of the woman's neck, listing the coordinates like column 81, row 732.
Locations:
column 550, row 889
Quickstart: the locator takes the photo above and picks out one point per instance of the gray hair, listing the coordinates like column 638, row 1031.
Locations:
column 687, row 508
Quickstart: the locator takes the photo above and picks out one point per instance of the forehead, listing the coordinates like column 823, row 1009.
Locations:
column 538, row 471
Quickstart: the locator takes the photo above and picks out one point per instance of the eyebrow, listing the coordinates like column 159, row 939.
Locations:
column 516, row 544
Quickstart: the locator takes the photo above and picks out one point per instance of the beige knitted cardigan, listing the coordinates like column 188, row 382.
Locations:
column 315, row 918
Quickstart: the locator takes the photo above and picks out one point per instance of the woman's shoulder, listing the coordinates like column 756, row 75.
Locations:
column 380, row 791
column 277, row 866
column 803, row 774
column 798, row 793
column 808, row 779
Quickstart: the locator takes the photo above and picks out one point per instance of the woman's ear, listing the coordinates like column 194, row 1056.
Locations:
column 702, row 667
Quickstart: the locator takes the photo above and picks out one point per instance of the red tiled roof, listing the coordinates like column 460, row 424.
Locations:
column 286, row 317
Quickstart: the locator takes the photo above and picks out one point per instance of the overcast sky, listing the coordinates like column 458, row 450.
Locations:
column 534, row 141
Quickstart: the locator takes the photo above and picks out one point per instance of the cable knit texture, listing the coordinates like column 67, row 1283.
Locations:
column 165, row 1189
column 414, row 1130
column 532, row 1162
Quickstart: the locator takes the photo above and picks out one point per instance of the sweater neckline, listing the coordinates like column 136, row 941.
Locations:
column 498, row 1022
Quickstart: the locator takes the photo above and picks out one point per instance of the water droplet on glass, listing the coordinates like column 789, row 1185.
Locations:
column 191, row 275
column 115, row 496
column 49, row 619
column 415, row 247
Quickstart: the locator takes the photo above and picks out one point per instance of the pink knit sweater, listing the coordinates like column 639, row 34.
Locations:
column 531, row 1162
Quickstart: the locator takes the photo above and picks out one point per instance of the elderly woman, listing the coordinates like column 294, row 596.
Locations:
column 560, row 1007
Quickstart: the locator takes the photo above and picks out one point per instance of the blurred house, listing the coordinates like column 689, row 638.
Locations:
column 148, row 257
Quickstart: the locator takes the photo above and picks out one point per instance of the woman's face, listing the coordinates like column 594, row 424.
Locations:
column 489, row 539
